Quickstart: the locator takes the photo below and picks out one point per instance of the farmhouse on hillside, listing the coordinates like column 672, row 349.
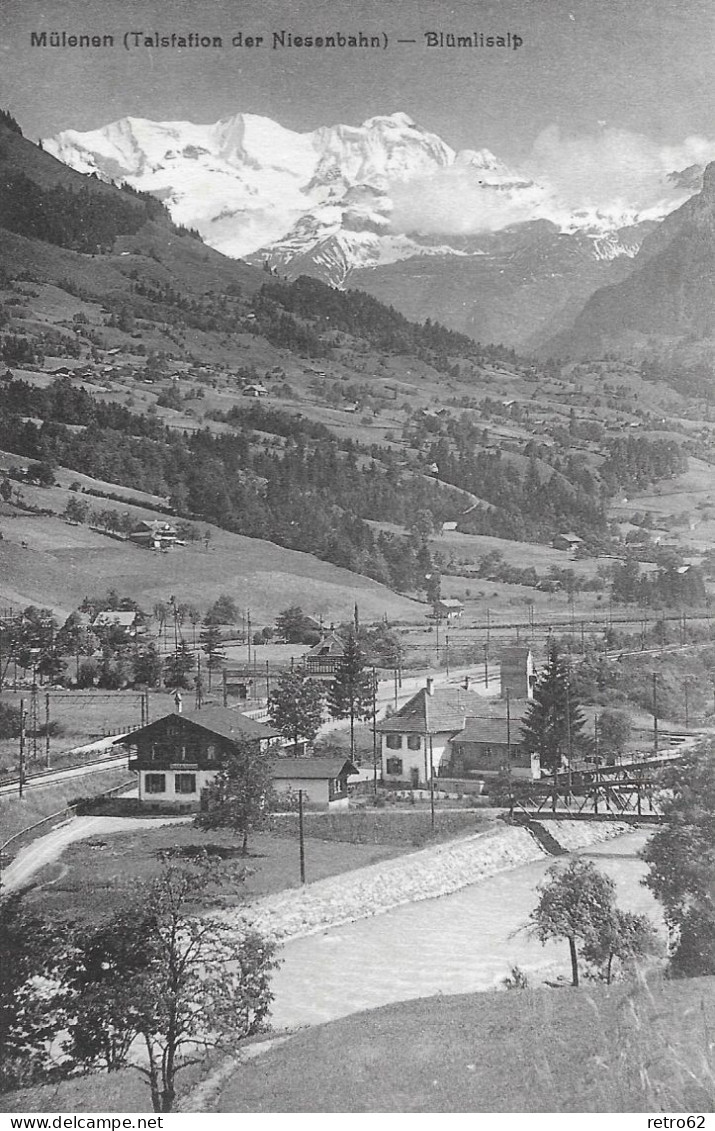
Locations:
column 153, row 534
column 448, row 608
column 177, row 756
column 566, row 541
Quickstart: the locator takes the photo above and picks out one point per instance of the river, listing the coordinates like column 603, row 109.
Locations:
column 458, row 943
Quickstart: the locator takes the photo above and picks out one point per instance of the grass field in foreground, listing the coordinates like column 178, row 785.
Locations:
column 627, row 1048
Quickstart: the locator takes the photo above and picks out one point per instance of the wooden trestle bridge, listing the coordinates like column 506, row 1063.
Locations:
column 627, row 792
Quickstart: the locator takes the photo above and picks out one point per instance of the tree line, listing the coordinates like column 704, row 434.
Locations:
column 310, row 494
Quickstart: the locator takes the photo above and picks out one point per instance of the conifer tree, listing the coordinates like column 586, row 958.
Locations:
column 352, row 691
column 554, row 721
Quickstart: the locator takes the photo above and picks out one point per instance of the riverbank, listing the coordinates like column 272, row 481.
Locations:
column 427, row 874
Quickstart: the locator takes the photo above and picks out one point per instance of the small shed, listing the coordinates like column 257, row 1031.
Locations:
column 323, row 781
column 566, row 541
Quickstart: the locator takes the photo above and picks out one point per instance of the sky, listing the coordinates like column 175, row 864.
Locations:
column 599, row 89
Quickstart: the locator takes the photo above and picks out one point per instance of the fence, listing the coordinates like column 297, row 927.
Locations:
column 18, row 840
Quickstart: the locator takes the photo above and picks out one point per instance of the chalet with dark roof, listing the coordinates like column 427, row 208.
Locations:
column 323, row 660
column 154, row 534
column 177, row 756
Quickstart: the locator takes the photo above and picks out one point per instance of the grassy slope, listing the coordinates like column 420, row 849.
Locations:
column 61, row 564
column 624, row 1049
column 42, row 801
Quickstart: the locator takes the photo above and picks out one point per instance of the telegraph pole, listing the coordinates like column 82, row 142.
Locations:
column 23, row 717
column 34, row 720
column 655, row 713
column 48, row 730
column 374, row 732
column 508, row 754
column 431, row 783
column 301, row 836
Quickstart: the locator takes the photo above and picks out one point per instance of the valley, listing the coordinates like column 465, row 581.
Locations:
column 283, row 476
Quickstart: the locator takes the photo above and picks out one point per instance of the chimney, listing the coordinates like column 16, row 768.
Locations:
column 178, row 700
column 430, row 685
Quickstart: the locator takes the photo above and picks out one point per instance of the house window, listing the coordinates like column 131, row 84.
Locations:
column 414, row 742
column 394, row 766
column 394, row 742
column 185, row 783
column 211, row 752
column 337, row 788
column 155, row 783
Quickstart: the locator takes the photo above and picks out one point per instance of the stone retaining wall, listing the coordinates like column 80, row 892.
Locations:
column 426, row 874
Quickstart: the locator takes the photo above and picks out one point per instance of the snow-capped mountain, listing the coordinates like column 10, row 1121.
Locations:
column 337, row 198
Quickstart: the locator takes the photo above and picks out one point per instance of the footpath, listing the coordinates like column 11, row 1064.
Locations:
column 427, row 874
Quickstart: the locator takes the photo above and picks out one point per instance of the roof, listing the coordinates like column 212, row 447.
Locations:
column 570, row 537
column 444, row 710
column 153, row 526
column 312, row 768
column 328, row 645
column 110, row 617
column 450, row 603
column 516, row 654
column 221, row 721
column 493, row 729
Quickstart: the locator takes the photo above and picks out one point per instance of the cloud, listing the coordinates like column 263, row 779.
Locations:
column 612, row 168
column 611, row 171
column 459, row 201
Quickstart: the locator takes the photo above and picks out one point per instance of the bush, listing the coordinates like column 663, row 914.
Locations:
column 10, row 721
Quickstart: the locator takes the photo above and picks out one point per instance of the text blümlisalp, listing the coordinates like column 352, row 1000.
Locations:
column 276, row 40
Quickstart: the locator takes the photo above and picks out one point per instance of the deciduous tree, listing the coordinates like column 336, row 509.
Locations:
column 241, row 794
column 212, row 647
column 178, row 665
column 614, row 730
column 223, row 611
column 623, row 937
column 30, row 950
column 681, row 860
column 181, row 982
column 575, row 903
column 292, row 624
